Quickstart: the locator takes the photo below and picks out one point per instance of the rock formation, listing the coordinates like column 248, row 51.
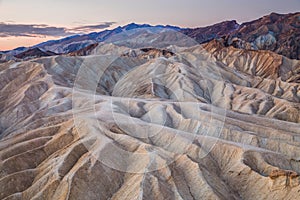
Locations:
column 201, row 122
column 275, row 32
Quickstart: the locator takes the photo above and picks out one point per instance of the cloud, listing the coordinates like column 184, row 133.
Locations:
column 93, row 27
column 30, row 30
column 43, row 30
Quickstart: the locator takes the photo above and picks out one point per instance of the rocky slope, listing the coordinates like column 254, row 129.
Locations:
column 34, row 53
column 206, row 34
column 4, row 58
column 275, row 32
column 199, row 122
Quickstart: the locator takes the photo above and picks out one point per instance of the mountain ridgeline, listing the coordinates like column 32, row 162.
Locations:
column 279, row 33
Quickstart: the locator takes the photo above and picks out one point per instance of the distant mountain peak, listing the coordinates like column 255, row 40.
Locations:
column 134, row 26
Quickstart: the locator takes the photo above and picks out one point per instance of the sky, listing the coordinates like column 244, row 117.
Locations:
column 28, row 22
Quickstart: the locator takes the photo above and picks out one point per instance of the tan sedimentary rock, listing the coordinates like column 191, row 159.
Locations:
column 189, row 125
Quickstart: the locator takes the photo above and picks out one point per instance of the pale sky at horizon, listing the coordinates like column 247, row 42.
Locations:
column 70, row 14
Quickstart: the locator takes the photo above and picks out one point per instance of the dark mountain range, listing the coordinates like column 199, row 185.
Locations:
column 206, row 34
column 279, row 33
column 77, row 42
column 34, row 53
